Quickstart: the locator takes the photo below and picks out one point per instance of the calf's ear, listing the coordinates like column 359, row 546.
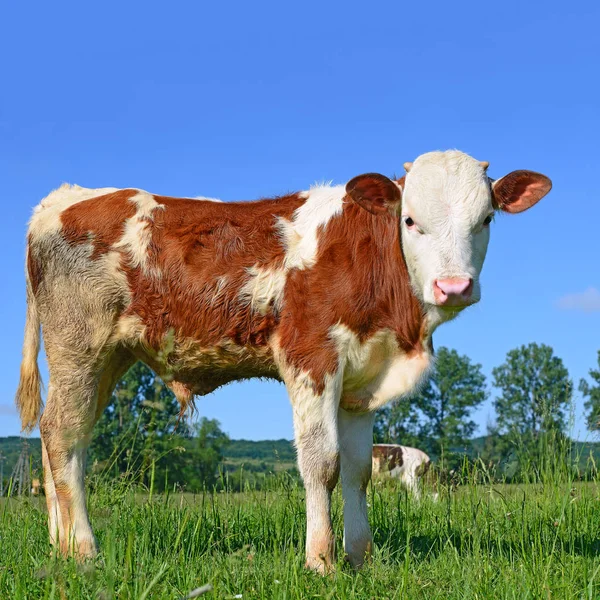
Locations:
column 375, row 193
column 519, row 190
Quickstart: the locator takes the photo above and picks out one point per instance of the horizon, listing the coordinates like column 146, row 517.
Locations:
column 259, row 109
column 291, row 440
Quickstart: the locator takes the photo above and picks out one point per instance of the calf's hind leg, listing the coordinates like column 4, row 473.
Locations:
column 51, row 500
column 76, row 396
column 65, row 428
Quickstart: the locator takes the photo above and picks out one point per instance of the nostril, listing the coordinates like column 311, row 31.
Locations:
column 439, row 290
column 468, row 290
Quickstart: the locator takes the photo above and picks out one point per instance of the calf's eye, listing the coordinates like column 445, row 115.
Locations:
column 409, row 222
column 487, row 221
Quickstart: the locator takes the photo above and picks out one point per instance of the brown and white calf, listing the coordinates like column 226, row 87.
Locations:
column 335, row 291
column 402, row 462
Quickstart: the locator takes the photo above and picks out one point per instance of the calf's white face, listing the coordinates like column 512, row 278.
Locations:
column 445, row 217
column 447, row 206
column 446, row 203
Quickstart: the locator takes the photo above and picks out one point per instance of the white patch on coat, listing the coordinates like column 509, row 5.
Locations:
column 112, row 266
column 138, row 234
column 129, row 330
column 46, row 215
column 377, row 371
column 264, row 289
column 402, row 377
column 300, row 235
column 207, row 199
column 447, row 194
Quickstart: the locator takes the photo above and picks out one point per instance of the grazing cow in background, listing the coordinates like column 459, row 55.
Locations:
column 335, row 291
column 402, row 462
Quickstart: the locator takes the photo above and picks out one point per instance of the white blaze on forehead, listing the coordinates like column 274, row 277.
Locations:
column 138, row 235
column 447, row 184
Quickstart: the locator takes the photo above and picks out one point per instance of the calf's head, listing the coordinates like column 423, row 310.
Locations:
column 445, row 204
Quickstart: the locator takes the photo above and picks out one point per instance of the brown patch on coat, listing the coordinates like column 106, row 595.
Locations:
column 360, row 280
column 202, row 252
column 99, row 220
column 195, row 245
column 389, row 457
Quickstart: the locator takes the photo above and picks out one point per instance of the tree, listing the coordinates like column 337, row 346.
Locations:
column 439, row 416
column 209, row 442
column 397, row 423
column 455, row 388
column 141, row 432
column 592, row 393
column 531, row 411
column 535, row 391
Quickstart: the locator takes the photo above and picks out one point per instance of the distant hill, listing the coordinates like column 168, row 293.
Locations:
column 271, row 454
column 264, row 450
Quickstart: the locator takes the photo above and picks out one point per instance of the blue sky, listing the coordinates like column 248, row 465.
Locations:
column 242, row 100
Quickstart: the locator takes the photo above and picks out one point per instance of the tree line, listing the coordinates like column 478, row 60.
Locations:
column 141, row 434
column 532, row 403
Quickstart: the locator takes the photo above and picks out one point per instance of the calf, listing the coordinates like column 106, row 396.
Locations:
column 402, row 462
column 335, row 291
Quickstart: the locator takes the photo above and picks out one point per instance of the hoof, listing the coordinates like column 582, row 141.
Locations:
column 321, row 565
column 81, row 551
column 358, row 556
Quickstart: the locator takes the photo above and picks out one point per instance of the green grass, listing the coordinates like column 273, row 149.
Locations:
column 497, row 541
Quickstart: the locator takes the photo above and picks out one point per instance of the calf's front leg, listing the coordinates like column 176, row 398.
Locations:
column 356, row 443
column 316, row 435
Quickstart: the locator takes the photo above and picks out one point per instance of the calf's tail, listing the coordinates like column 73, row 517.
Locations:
column 29, row 393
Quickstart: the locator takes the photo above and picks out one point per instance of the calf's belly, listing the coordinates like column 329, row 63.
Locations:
column 191, row 370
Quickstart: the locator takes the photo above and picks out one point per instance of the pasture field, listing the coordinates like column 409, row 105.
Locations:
column 481, row 541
